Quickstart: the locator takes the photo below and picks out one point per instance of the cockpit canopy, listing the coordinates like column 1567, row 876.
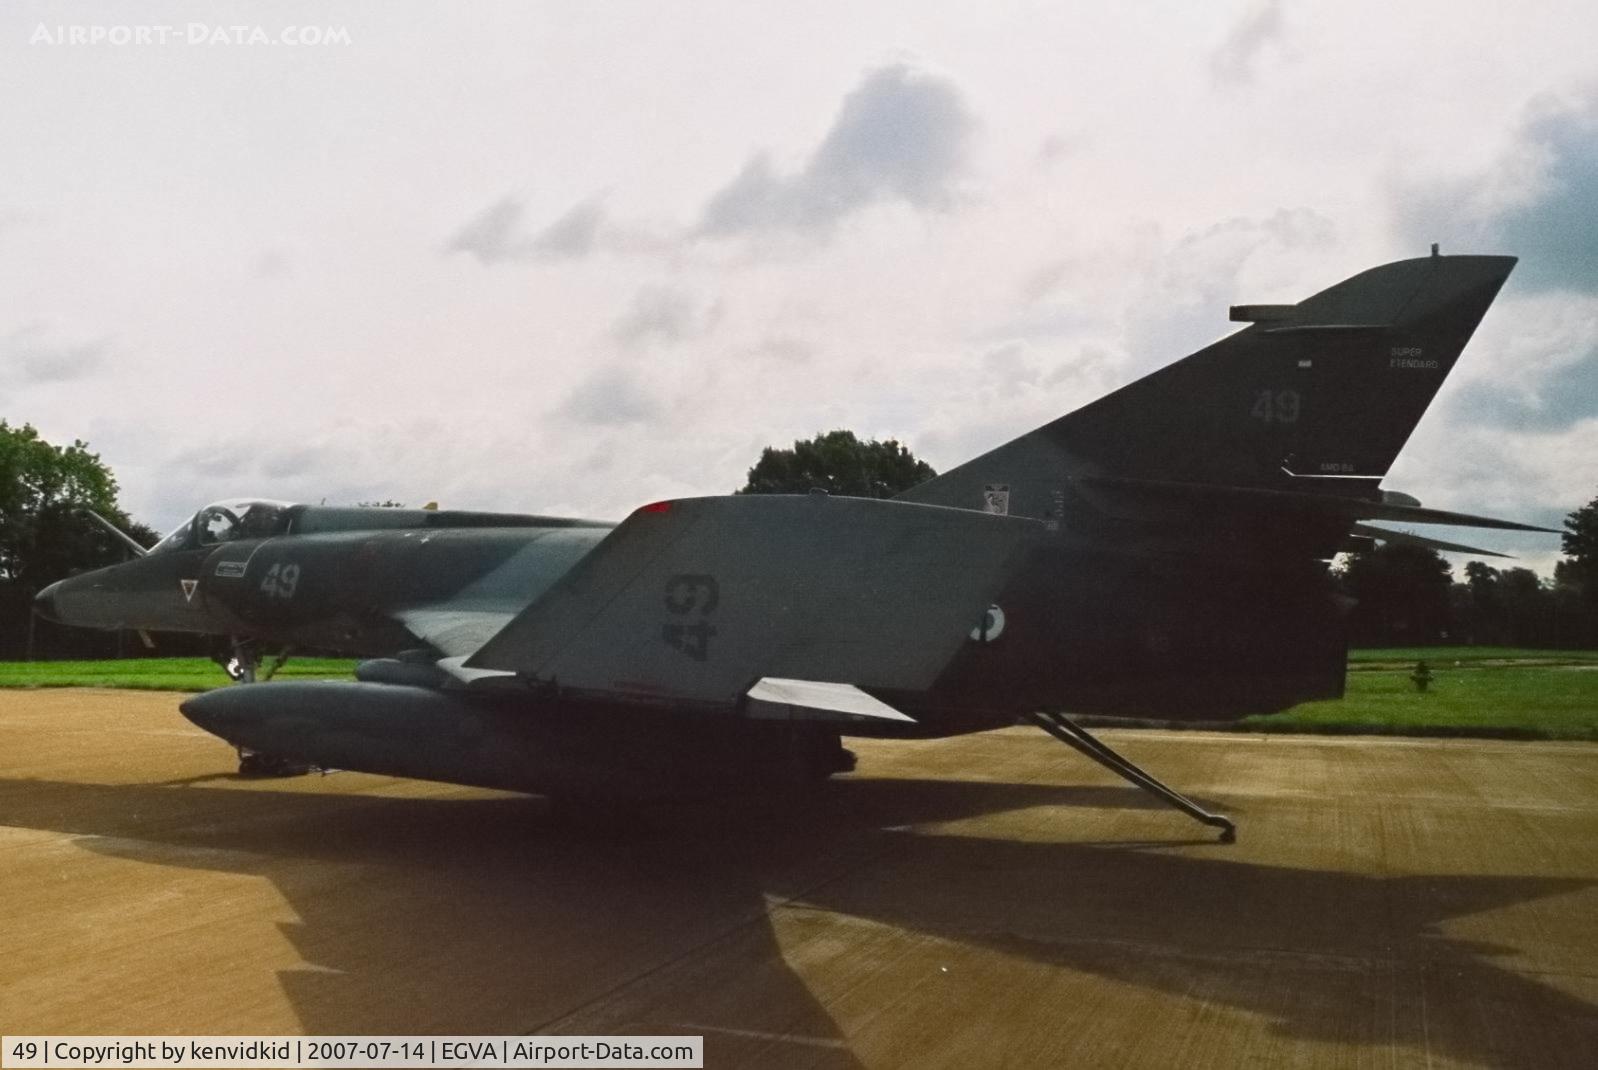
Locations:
column 225, row 521
column 262, row 518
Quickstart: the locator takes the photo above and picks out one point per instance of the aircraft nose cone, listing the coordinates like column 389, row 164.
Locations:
column 44, row 603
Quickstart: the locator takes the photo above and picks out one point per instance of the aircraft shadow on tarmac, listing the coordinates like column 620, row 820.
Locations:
column 483, row 916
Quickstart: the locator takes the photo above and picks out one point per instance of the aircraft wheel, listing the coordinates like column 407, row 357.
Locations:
column 254, row 763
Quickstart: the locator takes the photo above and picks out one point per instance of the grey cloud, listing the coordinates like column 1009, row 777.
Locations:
column 1010, row 368
column 573, row 234
column 611, row 396
column 787, row 347
column 1556, row 234
column 1055, row 148
column 493, row 235
column 33, row 359
column 1537, row 202
column 664, row 314
column 1091, row 365
column 1189, row 291
column 213, row 459
column 1564, row 396
column 499, row 234
column 1041, row 282
column 283, row 463
column 1233, row 61
column 901, row 135
column 271, row 264
column 243, row 460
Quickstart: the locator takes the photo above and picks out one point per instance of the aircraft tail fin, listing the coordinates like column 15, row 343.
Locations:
column 1318, row 396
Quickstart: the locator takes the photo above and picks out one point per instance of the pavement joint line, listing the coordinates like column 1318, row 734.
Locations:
column 836, row 1043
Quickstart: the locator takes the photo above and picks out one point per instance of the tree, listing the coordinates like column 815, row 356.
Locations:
column 44, row 533
column 1528, row 608
column 1576, row 577
column 1402, row 593
column 1580, row 543
column 838, row 463
column 1480, row 609
column 44, row 488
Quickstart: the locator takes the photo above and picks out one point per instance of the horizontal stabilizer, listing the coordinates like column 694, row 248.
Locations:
column 1116, row 494
column 1415, row 515
column 812, row 700
column 690, row 601
column 1404, row 538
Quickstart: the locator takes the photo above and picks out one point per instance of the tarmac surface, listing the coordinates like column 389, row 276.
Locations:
column 993, row 900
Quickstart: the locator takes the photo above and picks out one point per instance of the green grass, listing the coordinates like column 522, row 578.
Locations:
column 1528, row 700
column 1475, row 691
column 1463, row 657
column 156, row 674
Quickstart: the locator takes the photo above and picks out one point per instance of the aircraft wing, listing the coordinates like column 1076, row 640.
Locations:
column 454, row 633
column 695, row 600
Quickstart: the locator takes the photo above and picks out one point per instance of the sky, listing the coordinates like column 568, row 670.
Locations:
column 573, row 257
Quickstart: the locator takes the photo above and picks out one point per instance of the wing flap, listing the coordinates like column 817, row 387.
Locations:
column 696, row 599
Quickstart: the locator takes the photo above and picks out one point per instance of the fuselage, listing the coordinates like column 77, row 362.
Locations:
column 1086, row 624
column 329, row 579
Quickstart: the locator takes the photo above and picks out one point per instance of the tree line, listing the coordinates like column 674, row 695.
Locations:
column 1405, row 595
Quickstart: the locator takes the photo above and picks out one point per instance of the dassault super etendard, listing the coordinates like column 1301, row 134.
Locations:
column 1160, row 552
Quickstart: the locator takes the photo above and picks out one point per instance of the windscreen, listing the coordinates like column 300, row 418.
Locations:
column 225, row 521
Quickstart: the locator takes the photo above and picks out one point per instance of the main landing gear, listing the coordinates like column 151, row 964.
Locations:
column 1074, row 735
column 242, row 661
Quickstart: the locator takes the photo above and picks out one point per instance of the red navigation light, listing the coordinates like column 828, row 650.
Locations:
column 655, row 507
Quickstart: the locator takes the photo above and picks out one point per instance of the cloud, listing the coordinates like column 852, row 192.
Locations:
column 611, row 396
column 1189, row 287
column 498, row 234
column 786, row 347
column 574, row 234
column 279, row 464
column 1234, row 59
column 900, row 136
column 493, row 236
column 1536, row 201
column 1057, row 147
column 665, row 314
column 1533, row 366
column 271, row 264
column 1010, row 368
column 34, row 360
column 1563, row 397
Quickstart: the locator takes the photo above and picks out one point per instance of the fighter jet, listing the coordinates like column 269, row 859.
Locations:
column 1161, row 553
